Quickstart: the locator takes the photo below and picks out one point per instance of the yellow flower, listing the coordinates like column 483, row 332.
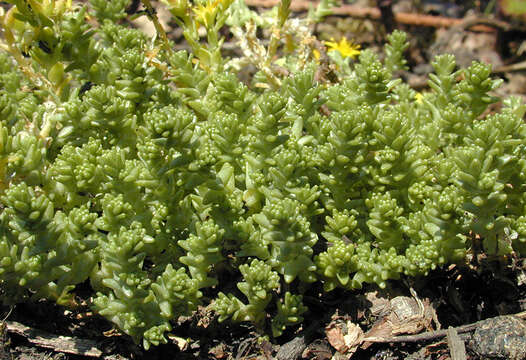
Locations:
column 418, row 97
column 345, row 48
column 206, row 13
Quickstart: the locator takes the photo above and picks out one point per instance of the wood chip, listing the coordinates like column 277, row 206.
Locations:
column 292, row 349
column 63, row 344
column 457, row 349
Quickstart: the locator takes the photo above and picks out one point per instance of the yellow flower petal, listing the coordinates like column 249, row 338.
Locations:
column 345, row 48
column 205, row 14
column 316, row 54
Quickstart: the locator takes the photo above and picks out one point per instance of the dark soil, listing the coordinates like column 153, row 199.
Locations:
column 460, row 295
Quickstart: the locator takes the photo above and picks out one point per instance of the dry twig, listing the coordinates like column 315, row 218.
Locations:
column 63, row 344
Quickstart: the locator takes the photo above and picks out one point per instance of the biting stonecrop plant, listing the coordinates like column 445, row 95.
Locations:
column 156, row 176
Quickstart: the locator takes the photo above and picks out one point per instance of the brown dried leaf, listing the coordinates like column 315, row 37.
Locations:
column 204, row 316
column 345, row 337
column 408, row 316
column 335, row 336
column 219, row 351
column 353, row 338
column 379, row 305
column 181, row 343
column 405, row 315
column 412, row 315
column 381, row 329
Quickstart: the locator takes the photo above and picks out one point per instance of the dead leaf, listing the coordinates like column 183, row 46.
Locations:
column 181, row 343
column 218, row 351
column 335, row 337
column 408, row 316
column 204, row 316
column 379, row 305
column 353, row 338
column 345, row 337
column 381, row 329
column 405, row 315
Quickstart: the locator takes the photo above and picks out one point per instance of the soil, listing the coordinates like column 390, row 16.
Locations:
column 458, row 297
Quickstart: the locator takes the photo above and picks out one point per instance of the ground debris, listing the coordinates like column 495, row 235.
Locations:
column 344, row 336
column 457, row 348
column 502, row 337
column 292, row 350
column 402, row 315
column 219, row 351
column 63, row 344
column 317, row 350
